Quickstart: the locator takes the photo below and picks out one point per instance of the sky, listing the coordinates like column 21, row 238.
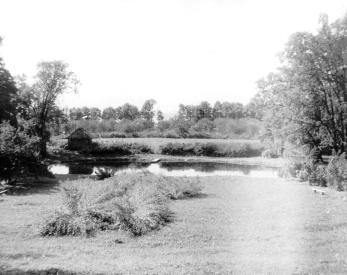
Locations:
column 174, row 51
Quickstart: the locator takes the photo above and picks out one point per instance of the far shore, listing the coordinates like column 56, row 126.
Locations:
column 150, row 158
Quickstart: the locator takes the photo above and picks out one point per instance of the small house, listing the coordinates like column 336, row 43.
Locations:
column 79, row 140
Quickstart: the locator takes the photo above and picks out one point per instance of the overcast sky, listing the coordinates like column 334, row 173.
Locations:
column 175, row 51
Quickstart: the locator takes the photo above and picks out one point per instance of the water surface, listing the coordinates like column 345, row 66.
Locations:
column 190, row 169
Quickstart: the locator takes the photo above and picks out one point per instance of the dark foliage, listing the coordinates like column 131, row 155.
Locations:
column 19, row 153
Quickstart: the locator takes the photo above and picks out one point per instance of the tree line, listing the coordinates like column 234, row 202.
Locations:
column 128, row 111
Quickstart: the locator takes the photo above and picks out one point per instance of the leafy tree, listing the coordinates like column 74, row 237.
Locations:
column 186, row 112
column 147, row 111
column 128, row 111
column 95, row 113
column 110, row 113
column 75, row 114
column 52, row 79
column 217, row 110
column 8, row 93
column 306, row 100
column 203, row 110
column 160, row 116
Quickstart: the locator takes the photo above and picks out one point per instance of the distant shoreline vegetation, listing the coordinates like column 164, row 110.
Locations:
column 223, row 120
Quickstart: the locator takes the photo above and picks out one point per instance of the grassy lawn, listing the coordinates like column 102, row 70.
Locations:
column 241, row 225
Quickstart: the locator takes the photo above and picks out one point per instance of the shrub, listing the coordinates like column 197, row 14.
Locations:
column 202, row 135
column 63, row 224
column 19, row 157
column 120, row 149
column 164, row 125
column 177, row 149
column 134, row 202
column 241, row 128
column 171, row 134
column 337, row 171
column 100, row 149
column 211, row 149
column 269, row 154
column 203, row 125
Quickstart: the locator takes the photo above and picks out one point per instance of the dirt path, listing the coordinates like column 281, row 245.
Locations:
column 241, row 225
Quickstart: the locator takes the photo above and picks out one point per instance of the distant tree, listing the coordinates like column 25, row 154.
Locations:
column 75, row 114
column 95, row 113
column 232, row 110
column 110, row 113
column 86, row 113
column 187, row 112
column 128, row 111
column 160, row 115
column 203, row 110
column 217, row 110
column 147, row 111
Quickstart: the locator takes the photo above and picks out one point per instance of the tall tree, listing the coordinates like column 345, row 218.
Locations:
column 110, row 113
column 306, row 100
column 147, row 110
column 160, row 116
column 52, row 79
column 8, row 94
column 128, row 111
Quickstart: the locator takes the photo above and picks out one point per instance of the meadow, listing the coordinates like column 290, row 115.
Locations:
column 237, row 225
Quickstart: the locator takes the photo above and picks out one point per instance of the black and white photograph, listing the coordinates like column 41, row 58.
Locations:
column 173, row 137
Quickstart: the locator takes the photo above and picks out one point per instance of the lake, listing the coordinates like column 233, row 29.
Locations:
column 190, row 169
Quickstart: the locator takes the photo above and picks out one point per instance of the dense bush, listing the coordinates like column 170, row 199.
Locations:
column 336, row 171
column 101, row 149
column 136, row 203
column 211, row 149
column 19, row 153
column 310, row 169
column 269, row 154
column 241, row 128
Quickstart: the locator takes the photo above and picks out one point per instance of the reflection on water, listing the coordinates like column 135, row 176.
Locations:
column 190, row 169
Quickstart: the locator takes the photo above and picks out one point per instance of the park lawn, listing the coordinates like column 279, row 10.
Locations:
column 240, row 224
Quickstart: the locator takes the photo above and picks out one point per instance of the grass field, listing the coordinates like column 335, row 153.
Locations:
column 240, row 225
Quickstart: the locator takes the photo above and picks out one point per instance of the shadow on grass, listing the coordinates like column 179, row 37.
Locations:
column 196, row 196
column 50, row 271
column 46, row 186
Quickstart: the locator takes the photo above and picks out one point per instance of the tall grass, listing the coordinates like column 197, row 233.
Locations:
column 132, row 202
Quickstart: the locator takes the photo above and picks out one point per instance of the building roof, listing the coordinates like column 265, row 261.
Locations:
column 79, row 133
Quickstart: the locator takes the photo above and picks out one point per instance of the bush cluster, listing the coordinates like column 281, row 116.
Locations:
column 19, row 153
column 132, row 202
column 317, row 173
column 211, row 149
column 119, row 149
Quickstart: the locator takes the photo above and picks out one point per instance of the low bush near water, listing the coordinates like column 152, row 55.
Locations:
column 132, row 202
column 100, row 149
column 308, row 168
column 211, row 149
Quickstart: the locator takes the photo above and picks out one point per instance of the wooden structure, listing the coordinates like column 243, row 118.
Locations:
column 79, row 140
